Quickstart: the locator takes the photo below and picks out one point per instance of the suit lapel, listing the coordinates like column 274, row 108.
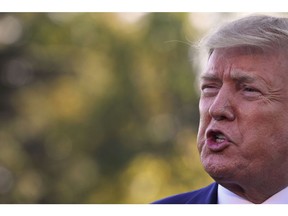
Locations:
column 207, row 195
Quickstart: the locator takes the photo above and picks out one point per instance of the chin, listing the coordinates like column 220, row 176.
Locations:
column 219, row 171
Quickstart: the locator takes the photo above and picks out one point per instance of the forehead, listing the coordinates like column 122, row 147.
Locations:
column 254, row 62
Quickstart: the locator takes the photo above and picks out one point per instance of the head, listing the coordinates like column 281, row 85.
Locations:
column 243, row 131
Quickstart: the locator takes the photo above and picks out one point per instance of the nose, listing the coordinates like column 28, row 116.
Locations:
column 222, row 108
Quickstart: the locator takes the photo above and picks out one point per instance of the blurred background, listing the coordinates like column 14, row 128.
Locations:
column 99, row 107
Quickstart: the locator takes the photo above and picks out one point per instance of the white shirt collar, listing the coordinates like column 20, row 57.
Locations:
column 227, row 197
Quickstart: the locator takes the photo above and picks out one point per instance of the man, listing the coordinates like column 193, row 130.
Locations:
column 243, row 131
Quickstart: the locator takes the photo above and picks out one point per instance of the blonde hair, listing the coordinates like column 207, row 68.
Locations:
column 258, row 31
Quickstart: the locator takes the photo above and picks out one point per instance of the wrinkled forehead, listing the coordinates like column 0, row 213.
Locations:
column 243, row 50
column 267, row 63
column 251, row 52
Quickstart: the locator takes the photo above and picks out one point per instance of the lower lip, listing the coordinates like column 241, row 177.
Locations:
column 217, row 146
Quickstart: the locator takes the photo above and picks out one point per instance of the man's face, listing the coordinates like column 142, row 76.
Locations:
column 243, row 131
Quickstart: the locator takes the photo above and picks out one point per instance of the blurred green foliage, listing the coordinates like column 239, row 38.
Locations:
column 96, row 108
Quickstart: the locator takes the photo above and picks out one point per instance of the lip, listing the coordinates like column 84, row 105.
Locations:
column 215, row 146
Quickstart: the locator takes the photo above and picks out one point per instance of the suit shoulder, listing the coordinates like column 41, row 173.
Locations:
column 201, row 196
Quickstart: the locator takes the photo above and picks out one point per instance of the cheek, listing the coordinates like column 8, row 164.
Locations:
column 264, row 133
column 255, row 131
column 203, row 124
column 204, row 113
column 204, row 106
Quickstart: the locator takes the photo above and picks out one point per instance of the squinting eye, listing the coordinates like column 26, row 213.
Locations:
column 250, row 89
column 251, row 92
column 209, row 90
column 247, row 89
column 205, row 87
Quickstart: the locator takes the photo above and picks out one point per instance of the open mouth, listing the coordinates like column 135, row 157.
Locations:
column 219, row 137
column 217, row 140
column 216, row 136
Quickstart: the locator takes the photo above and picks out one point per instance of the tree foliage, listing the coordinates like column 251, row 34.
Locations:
column 96, row 109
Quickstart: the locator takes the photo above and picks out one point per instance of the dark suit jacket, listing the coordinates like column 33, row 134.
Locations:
column 207, row 195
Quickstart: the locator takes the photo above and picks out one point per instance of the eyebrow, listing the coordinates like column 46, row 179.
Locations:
column 243, row 78
column 237, row 76
column 210, row 77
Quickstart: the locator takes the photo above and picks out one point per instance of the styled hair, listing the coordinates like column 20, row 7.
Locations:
column 257, row 31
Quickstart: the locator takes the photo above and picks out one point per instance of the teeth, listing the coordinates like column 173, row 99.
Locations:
column 219, row 138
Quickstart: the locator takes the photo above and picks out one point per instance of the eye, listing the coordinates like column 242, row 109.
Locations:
column 249, row 89
column 251, row 92
column 209, row 90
